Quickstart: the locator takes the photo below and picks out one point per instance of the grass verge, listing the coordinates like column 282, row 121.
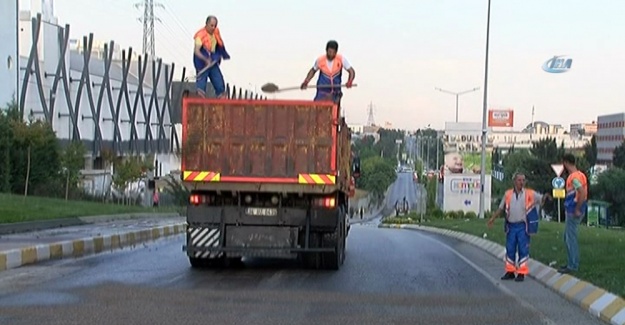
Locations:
column 601, row 249
column 15, row 208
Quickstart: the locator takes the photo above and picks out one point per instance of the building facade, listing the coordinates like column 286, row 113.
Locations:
column 583, row 128
column 610, row 134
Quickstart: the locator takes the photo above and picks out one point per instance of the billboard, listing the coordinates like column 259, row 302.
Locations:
column 462, row 146
column 462, row 192
column 500, row 118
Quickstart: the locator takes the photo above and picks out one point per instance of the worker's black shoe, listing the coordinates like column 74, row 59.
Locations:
column 520, row 278
column 508, row 276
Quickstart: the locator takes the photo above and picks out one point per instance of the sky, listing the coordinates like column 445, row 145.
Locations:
column 401, row 50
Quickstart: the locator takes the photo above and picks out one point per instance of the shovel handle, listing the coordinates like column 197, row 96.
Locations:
column 315, row 86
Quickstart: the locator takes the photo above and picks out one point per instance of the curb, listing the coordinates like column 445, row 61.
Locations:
column 598, row 302
column 83, row 247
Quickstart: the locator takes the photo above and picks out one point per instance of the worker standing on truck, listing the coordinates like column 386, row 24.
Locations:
column 330, row 66
column 521, row 221
column 208, row 52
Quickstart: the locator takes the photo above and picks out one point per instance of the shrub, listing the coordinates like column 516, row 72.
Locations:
column 470, row 215
column 451, row 215
column 460, row 214
column 437, row 213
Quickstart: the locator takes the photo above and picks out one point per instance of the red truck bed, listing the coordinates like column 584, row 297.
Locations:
column 264, row 141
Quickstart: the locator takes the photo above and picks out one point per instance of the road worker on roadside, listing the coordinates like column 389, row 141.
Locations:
column 330, row 67
column 209, row 51
column 521, row 207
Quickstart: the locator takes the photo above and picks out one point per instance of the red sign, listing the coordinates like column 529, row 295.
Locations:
column 500, row 118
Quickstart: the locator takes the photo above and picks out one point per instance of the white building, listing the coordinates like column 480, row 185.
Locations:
column 108, row 107
column 468, row 134
column 610, row 134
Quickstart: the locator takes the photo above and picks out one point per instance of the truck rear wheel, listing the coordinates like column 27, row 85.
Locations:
column 312, row 260
column 336, row 239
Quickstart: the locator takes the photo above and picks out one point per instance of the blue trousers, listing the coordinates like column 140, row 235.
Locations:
column 517, row 241
column 570, row 240
column 216, row 78
column 334, row 96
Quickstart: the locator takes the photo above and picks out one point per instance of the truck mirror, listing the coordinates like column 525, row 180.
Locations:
column 356, row 167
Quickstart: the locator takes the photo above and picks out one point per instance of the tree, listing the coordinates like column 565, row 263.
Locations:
column 590, row 151
column 37, row 142
column 72, row 161
column 547, row 150
column 376, row 176
column 609, row 188
column 618, row 158
column 127, row 171
column 6, row 139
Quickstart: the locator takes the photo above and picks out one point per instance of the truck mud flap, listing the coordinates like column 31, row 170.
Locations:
column 206, row 239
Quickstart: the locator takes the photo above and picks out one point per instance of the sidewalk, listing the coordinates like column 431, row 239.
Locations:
column 32, row 247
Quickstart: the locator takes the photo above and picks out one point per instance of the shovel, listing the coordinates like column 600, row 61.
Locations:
column 273, row 88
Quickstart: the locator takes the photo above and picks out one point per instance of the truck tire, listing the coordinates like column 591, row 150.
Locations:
column 336, row 239
column 312, row 260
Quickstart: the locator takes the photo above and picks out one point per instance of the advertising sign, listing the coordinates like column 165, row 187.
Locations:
column 462, row 192
column 462, row 148
column 500, row 118
column 558, row 64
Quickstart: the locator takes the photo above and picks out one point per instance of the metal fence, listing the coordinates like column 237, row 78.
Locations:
column 126, row 105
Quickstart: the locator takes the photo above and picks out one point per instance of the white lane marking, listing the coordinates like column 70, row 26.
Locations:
column 543, row 318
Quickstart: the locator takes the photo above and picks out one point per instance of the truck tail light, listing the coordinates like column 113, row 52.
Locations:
column 327, row 202
column 197, row 199
column 194, row 199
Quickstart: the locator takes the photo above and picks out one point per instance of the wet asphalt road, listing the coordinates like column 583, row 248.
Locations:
column 389, row 277
column 404, row 186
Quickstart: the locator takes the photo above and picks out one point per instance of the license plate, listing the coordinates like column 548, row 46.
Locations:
column 265, row 212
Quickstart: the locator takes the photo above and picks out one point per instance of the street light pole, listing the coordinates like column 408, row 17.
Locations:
column 484, row 113
column 457, row 95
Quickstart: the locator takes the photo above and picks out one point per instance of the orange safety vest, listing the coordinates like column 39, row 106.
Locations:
column 206, row 38
column 332, row 75
column 531, row 215
column 571, row 198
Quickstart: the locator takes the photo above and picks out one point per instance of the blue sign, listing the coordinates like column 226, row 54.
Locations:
column 557, row 182
column 558, row 64
column 467, row 202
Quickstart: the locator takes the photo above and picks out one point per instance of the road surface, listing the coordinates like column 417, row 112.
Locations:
column 390, row 277
column 404, row 186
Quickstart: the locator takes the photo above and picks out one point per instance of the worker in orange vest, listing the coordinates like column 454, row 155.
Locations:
column 330, row 67
column 208, row 53
column 521, row 221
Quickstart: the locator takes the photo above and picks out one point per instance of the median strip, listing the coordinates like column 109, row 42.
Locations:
column 599, row 302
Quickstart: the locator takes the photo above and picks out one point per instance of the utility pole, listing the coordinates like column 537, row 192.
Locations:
column 148, row 20
column 484, row 116
column 457, row 95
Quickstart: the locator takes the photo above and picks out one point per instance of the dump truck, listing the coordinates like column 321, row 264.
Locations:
column 267, row 178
